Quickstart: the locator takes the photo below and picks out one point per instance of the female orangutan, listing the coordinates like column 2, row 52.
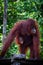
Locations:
column 26, row 34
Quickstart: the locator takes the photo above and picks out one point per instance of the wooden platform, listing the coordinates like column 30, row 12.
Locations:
column 5, row 61
column 20, row 62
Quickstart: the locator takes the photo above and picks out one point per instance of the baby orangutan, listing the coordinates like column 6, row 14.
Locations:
column 26, row 34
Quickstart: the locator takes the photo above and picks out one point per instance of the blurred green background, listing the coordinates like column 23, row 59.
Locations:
column 21, row 10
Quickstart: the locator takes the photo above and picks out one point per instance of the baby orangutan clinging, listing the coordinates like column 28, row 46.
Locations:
column 26, row 34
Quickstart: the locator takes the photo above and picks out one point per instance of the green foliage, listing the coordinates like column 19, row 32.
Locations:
column 22, row 9
column 13, row 49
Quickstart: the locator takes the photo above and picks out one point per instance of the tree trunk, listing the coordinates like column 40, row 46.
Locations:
column 4, row 20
